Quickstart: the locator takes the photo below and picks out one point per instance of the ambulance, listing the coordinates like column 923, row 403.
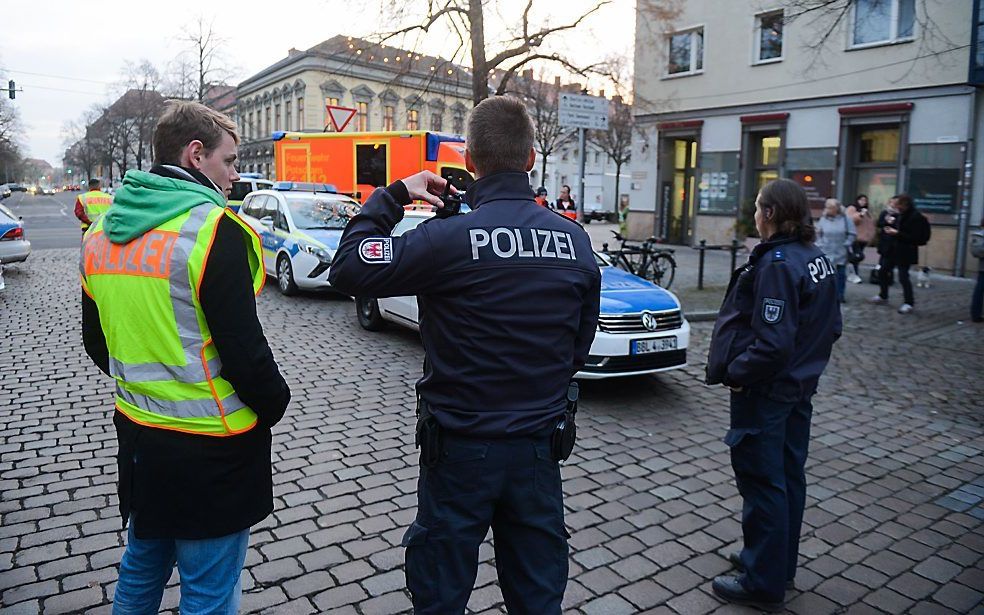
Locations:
column 356, row 163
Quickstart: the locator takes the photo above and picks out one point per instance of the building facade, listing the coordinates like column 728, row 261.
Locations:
column 869, row 97
column 390, row 89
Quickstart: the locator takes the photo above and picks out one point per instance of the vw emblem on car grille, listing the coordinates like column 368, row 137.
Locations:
column 650, row 321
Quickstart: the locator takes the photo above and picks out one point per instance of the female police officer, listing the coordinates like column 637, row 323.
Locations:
column 771, row 342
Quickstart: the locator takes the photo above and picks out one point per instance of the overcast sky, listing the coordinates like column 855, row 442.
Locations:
column 67, row 55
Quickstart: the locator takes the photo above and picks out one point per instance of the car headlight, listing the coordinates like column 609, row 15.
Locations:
column 318, row 252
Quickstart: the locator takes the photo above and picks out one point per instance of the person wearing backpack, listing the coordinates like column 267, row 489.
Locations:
column 977, row 299
column 906, row 231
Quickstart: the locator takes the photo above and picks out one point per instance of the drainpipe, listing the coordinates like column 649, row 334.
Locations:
column 963, row 221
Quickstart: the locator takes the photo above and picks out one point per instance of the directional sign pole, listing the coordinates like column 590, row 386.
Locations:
column 580, row 173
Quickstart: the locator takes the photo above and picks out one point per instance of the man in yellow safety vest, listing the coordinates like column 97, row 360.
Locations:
column 168, row 310
column 91, row 205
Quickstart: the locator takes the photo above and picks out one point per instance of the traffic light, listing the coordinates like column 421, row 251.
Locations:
column 12, row 89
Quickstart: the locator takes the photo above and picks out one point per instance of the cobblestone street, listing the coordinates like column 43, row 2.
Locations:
column 895, row 511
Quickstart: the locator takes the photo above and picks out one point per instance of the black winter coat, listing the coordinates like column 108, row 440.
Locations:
column 914, row 231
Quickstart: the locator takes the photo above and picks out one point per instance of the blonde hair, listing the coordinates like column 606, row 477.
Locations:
column 185, row 121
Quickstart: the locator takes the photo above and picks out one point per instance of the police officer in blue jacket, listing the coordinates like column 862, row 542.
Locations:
column 508, row 297
column 772, row 340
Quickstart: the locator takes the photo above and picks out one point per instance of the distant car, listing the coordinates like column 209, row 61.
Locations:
column 14, row 247
column 641, row 328
column 248, row 182
column 299, row 231
column 47, row 191
column 17, row 187
column 5, row 191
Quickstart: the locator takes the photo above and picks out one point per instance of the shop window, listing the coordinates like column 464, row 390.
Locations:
column 813, row 169
column 878, row 22
column 934, row 177
column 876, row 163
column 768, row 37
column 686, row 52
column 718, row 183
column 766, row 147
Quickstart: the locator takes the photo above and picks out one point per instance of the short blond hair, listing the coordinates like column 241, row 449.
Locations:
column 185, row 121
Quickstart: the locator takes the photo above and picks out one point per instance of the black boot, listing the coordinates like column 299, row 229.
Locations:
column 735, row 559
column 731, row 590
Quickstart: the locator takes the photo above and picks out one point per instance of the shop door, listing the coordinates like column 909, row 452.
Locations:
column 678, row 210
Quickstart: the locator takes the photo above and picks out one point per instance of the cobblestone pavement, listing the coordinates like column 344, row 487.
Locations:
column 896, row 471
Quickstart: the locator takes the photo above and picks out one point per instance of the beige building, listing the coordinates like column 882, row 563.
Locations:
column 876, row 100
column 390, row 89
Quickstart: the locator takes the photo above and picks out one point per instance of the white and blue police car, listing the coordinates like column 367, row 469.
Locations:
column 641, row 327
column 299, row 227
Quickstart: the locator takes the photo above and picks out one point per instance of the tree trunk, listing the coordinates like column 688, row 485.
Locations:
column 618, row 177
column 480, row 71
column 543, row 171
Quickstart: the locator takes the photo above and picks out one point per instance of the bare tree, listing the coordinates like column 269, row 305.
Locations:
column 179, row 79
column 616, row 142
column 541, row 100
column 466, row 18
column 207, row 62
column 11, row 131
column 143, row 106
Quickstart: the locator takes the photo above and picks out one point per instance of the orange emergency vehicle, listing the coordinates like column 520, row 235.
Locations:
column 358, row 162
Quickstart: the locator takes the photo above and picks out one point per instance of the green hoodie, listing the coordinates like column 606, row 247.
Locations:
column 146, row 200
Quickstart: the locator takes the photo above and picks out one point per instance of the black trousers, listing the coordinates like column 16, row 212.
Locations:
column 511, row 485
column 886, row 264
column 769, row 441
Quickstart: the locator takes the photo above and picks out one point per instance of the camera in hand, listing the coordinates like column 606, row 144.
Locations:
column 452, row 203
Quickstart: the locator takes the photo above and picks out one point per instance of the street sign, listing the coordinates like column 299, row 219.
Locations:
column 579, row 111
column 340, row 116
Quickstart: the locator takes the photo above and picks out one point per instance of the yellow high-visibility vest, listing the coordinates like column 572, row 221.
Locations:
column 161, row 354
column 94, row 203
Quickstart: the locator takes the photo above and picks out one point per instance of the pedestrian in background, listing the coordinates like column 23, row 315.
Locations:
column 771, row 342
column 864, row 224
column 565, row 203
column 197, row 389
column 541, row 197
column 903, row 228
column 977, row 299
column 92, row 204
column 835, row 237
column 504, row 330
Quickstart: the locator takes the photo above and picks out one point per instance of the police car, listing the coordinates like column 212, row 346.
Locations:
column 299, row 227
column 641, row 327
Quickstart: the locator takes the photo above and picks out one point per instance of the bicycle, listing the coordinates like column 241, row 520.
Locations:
column 644, row 259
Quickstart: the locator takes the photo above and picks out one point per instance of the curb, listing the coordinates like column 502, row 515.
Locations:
column 702, row 315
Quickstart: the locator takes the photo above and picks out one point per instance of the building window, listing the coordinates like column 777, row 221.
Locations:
column 876, row 163
column 276, row 117
column 458, row 123
column 269, row 125
column 249, row 126
column 329, row 102
column 883, row 21
column 362, row 116
column 389, row 117
column 300, row 113
column 686, row 52
column 413, row 119
column 437, row 121
column 766, row 147
column 768, row 37
column 288, row 116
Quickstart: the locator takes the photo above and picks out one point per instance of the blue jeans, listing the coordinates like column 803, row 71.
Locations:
column 769, row 441
column 209, row 571
column 977, row 301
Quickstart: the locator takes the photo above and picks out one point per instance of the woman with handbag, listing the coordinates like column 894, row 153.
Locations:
column 860, row 215
column 835, row 236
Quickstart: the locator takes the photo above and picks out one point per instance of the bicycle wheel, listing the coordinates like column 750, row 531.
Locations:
column 661, row 270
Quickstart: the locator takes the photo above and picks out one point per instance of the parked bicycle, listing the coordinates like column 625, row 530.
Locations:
column 645, row 259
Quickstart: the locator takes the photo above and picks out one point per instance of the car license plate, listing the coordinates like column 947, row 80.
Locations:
column 659, row 344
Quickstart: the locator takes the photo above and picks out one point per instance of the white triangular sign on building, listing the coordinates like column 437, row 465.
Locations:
column 340, row 116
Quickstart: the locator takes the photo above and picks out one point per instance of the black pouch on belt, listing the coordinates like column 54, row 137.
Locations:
column 428, row 438
column 565, row 434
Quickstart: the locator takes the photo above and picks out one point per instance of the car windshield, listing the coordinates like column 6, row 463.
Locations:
column 321, row 212
column 6, row 213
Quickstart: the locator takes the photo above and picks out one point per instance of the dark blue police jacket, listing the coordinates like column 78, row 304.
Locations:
column 778, row 323
column 508, row 297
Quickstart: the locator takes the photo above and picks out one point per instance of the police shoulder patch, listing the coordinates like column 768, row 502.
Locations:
column 778, row 255
column 376, row 250
column 772, row 310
